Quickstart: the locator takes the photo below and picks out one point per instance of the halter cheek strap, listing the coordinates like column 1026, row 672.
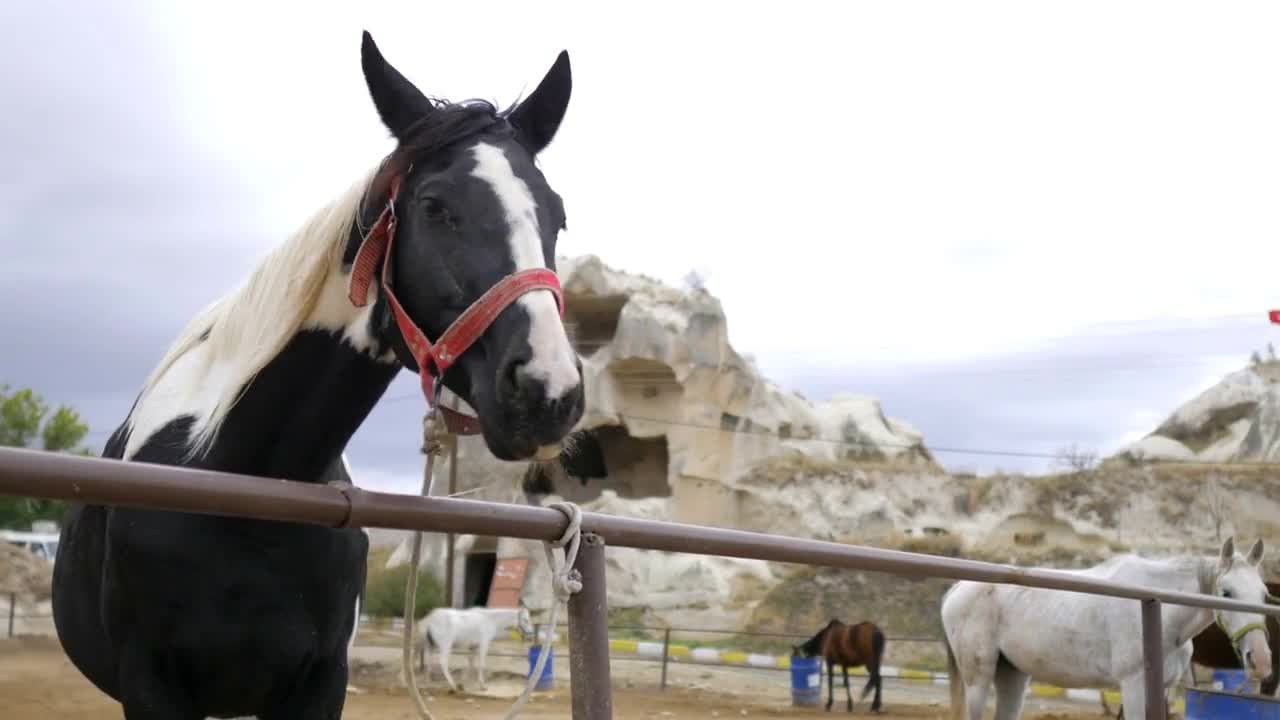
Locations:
column 1239, row 633
column 434, row 359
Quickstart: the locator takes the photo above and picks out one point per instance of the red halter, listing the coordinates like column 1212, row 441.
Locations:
column 434, row 360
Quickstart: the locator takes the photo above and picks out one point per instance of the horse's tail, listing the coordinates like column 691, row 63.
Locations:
column 953, row 681
column 874, row 681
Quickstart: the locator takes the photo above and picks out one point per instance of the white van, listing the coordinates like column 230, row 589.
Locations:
column 43, row 544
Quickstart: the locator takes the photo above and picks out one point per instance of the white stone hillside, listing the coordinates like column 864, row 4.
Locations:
column 1236, row 420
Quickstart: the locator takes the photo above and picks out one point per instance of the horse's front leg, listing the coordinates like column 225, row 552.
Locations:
column 484, row 655
column 320, row 696
column 443, row 651
column 1133, row 696
column 149, row 690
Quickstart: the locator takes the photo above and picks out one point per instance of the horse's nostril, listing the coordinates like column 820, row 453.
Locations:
column 512, row 375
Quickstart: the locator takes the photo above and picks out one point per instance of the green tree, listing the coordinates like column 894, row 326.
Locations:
column 25, row 422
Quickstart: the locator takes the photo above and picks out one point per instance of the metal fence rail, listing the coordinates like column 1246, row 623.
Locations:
column 161, row 487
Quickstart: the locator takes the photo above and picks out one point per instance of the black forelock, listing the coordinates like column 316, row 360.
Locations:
column 447, row 125
column 450, row 124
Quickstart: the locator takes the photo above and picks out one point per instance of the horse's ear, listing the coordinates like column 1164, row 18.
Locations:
column 1255, row 553
column 400, row 104
column 1227, row 556
column 538, row 118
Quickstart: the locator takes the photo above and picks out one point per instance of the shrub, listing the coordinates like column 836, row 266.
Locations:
column 384, row 592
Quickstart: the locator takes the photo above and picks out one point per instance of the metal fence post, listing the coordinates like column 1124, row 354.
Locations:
column 13, row 605
column 1153, row 659
column 666, row 647
column 589, row 682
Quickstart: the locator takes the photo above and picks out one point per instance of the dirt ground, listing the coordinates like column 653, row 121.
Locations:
column 37, row 682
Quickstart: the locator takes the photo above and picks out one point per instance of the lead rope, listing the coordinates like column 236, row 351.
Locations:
column 565, row 579
column 434, row 438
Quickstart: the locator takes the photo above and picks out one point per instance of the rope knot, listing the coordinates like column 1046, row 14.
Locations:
column 567, row 584
column 565, row 579
column 435, row 435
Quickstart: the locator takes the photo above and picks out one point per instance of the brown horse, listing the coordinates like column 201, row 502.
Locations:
column 850, row 646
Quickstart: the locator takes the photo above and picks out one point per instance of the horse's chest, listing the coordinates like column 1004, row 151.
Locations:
column 231, row 587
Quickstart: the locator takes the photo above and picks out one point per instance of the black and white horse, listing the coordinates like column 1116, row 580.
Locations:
column 182, row 616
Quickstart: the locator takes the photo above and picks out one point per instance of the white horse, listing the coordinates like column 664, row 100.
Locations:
column 1177, row 666
column 474, row 627
column 1010, row 634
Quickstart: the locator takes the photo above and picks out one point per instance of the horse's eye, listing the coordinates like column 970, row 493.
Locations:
column 434, row 209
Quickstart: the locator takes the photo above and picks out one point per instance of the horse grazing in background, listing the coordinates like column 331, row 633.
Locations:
column 1010, row 634
column 452, row 236
column 848, row 646
column 474, row 628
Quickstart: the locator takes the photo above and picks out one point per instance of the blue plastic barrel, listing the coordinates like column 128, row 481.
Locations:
column 545, row 682
column 1232, row 680
column 806, row 680
column 1204, row 704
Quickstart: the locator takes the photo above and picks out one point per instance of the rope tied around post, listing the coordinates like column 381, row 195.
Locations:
column 436, row 438
column 565, row 582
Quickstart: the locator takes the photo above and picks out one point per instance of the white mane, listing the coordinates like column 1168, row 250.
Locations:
column 1134, row 568
column 248, row 327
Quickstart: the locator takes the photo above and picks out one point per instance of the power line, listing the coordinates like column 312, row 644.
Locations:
column 953, row 450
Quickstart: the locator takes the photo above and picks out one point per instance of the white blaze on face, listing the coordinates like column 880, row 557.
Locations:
column 553, row 361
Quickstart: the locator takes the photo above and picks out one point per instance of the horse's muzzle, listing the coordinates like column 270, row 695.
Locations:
column 1257, row 656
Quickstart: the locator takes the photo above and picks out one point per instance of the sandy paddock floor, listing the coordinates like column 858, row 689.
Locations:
column 37, row 682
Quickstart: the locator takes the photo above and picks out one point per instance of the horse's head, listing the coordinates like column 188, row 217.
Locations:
column 472, row 209
column 524, row 622
column 812, row 646
column 1240, row 578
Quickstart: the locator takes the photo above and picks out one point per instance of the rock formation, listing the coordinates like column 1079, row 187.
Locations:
column 1236, row 420
column 679, row 418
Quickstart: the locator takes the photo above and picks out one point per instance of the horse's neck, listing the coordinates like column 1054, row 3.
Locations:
column 1187, row 574
column 304, row 406
column 298, row 413
column 494, row 620
column 502, row 617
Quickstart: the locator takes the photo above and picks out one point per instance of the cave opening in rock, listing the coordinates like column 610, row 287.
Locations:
column 631, row 467
column 593, row 321
column 477, row 577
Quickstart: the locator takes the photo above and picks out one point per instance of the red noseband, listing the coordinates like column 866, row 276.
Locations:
column 434, row 360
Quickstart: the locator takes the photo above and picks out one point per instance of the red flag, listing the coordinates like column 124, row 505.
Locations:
column 1275, row 317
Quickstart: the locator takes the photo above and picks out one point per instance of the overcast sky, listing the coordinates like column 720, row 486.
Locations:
column 1019, row 225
